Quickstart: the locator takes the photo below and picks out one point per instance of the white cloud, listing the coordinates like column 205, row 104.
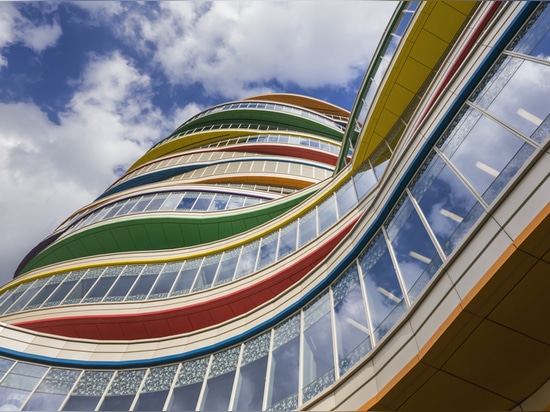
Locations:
column 49, row 170
column 232, row 48
column 16, row 28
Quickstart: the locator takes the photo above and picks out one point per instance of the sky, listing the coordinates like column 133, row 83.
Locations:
column 87, row 87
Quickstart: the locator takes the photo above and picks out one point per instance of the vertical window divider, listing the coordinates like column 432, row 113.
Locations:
column 102, row 397
column 365, row 302
column 396, row 268
column 200, row 400
column 333, row 331
column 181, row 263
column 237, row 264
column 68, row 395
column 427, row 226
column 231, row 406
column 31, row 393
column 196, row 276
column 267, row 382
column 135, row 281
column 138, row 392
column 172, row 385
column 301, row 357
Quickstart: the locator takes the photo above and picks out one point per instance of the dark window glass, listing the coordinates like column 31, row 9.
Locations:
column 187, row 276
column 81, row 403
column 251, row 386
column 117, row 403
column 165, row 281
column 268, row 250
column 83, row 286
column 60, row 293
column 287, row 242
column 207, row 272
column 218, row 392
column 185, row 398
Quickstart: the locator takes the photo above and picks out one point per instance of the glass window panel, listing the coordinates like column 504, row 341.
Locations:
column 186, row 277
column 318, row 357
column 252, row 372
column 235, row 202
column 51, row 393
column 481, row 149
column 103, row 284
column 220, row 202
column 247, row 261
column 165, row 281
column 384, row 293
column 250, row 201
column 268, row 250
column 128, row 206
column 141, row 204
column 123, row 284
column 411, row 244
column 60, row 293
column 287, row 241
column 31, row 292
column 83, row 286
column 285, row 358
column 157, row 202
column 112, row 211
column 364, row 180
column 219, row 385
column 352, row 331
column 144, row 283
column 534, row 38
column 517, row 93
column 207, row 271
column 227, row 266
column 346, row 198
column 444, row 200
column 5, row 365
column 203, row 201
column 12, row 399
column 188, row 385
column 172, row 201
column 380, row 159
column 327, row 213
column 123, row 390
column 88, row 391
column 52, row 284
column 155, row 390
column 17, row 292
column 188, row 200
column 308, row 227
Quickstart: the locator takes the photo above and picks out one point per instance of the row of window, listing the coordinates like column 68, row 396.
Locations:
column 289, row 364
column 279, row 138
column 225, row 125
column 183, row 201
column 154, row 281
column 280, row 107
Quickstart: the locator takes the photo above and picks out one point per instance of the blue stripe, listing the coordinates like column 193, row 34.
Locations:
column 344, row 263
column 160, row 175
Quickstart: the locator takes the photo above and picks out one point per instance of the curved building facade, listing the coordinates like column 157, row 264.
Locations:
column 281, row 253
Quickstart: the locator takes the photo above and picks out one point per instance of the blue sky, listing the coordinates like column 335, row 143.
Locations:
column 87, row 87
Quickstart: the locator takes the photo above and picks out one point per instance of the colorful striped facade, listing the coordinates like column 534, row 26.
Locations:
column 281, row 253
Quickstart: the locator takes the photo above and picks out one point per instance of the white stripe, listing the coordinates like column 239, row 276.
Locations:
column 529, row 116
column 420, row 257
column 451, row 215
column 487, row 169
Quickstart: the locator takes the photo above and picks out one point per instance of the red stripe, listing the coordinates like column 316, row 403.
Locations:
column 189, row 318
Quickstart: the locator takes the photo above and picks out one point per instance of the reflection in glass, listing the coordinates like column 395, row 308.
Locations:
column 227, row 266
column 268, row 250
column 247, row 261
column 249, row 392
column 308, row 227
column 103, row 284
column 165, row 281
column 352, row 330
column 411, row 244
column 156, row 388
column 207, row 271
column 482, row 152
column 122, row 391
column 318, row 357
column 219, row 385
column 327, row 213
column 381, row 284
column 346, row 198
column 32, row 289
column 123, row 284
column 188, row 385
column 287, row 242
column 364, row 181
column 283, row 374
column 52, row 391
column 186, row 277
column 534, row 39
column 444, row 200
column 143, row 285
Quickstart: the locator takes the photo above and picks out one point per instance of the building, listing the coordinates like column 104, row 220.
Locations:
column 281, row 253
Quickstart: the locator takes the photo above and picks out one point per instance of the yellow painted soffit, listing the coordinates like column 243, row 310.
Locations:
column 427, row 42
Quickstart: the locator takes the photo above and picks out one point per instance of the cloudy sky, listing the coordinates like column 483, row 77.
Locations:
column 87, row 87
